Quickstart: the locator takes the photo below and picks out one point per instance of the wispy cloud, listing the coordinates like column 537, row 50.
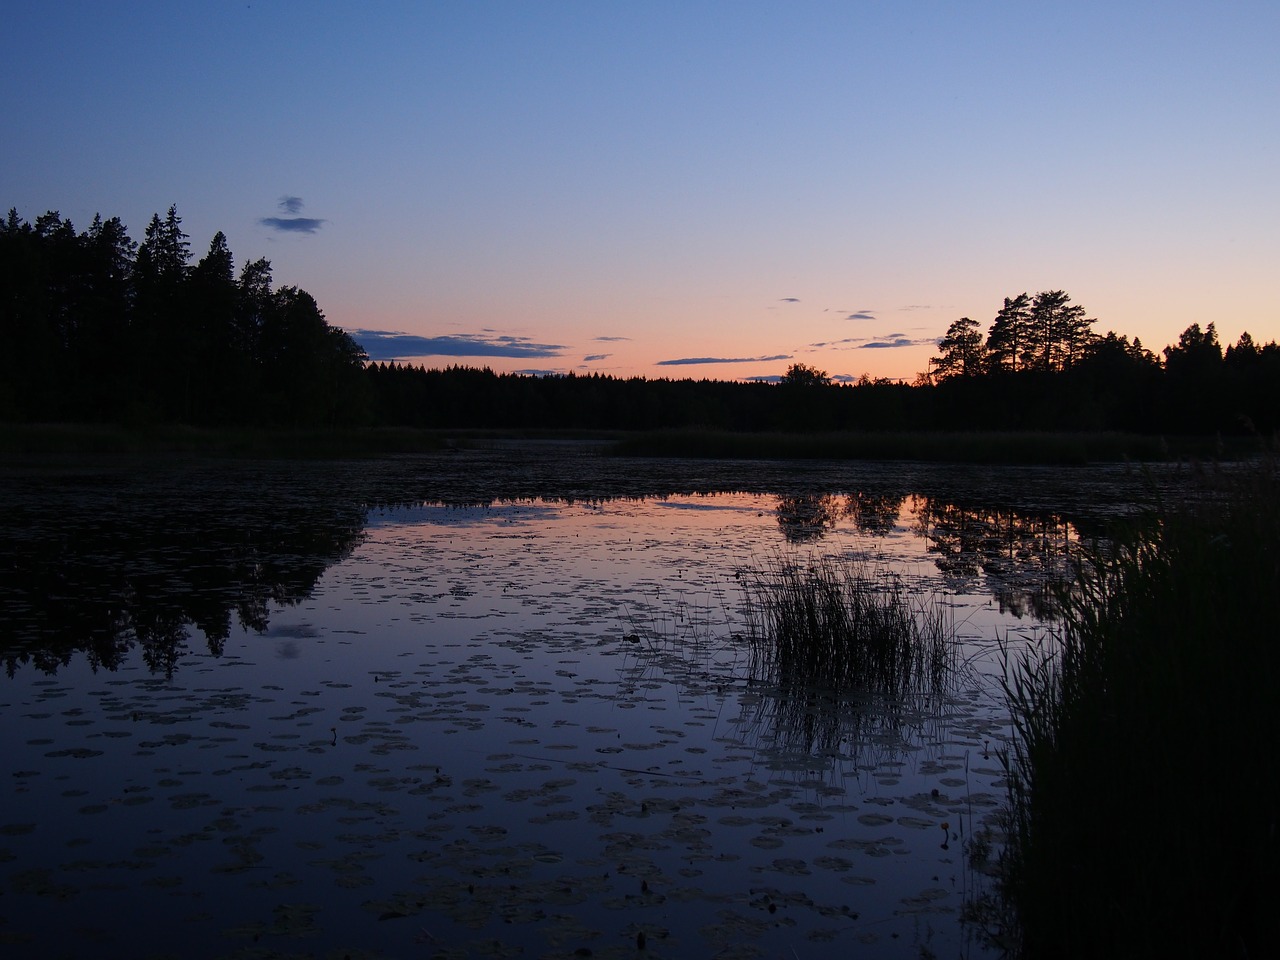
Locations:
column 885, row 341
column 684, row 361
column 592, row 357
column 790, row 300
column 611, row 339
column 861, row 315
column 893, row 341
column 388, row 345
column 291, row 223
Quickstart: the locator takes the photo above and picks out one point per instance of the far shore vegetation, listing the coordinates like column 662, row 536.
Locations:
column 60, row 441
column 114, row 345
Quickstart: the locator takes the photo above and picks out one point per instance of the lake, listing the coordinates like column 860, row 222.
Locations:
column 500, row 702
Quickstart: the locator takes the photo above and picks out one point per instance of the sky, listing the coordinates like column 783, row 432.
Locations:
column 676, row 189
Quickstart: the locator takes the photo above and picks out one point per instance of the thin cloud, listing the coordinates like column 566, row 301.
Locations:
column 790, row 300
column 611, row 339
column 593, row 357
column 685, row 361
column 291, row 223
column 387, row 345
column 885, row 341
column 892, row 343
column 861, row 315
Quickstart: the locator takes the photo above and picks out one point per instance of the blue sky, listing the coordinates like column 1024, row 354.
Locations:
column 676, row 189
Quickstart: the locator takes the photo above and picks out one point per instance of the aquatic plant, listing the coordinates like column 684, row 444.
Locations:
column 843, row 624
column 1142, row 811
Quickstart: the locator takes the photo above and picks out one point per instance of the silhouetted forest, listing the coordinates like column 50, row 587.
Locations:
column 99, row 328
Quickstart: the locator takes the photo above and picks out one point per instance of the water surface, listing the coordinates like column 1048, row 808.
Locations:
column 497, row 703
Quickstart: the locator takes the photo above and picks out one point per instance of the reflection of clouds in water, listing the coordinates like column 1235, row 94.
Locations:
column 288, row 650
column 443, row 514
column 721, row 507
column 295, row 630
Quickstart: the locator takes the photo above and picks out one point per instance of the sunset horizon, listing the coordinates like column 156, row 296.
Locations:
column 676, row 190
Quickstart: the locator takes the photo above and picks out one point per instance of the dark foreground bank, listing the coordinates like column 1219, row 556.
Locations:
column 1144, row 793
column 74, row 440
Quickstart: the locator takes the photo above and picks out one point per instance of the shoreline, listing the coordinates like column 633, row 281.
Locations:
column 74, row 442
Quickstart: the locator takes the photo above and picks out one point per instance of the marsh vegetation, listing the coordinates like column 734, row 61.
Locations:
column 1143, row 793
column 844, row 625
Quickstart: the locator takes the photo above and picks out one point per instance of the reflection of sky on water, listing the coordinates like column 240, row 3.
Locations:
column 527, row 721
column 461, row 516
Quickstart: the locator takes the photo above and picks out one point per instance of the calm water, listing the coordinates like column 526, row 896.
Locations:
column 496, row 703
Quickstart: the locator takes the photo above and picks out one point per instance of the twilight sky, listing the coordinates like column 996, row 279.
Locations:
column 676, row 189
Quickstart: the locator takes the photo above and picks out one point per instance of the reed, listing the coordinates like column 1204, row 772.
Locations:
column 1143, row 792
column 841, row 624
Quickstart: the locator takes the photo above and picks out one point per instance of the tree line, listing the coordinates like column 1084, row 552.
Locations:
column 1041, row 351
column 98, row 327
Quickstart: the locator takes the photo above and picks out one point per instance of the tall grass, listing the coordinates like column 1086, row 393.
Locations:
column 840, row 624
column 1144, row 780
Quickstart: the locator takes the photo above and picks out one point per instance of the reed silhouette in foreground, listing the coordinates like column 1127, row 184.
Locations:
column 1143, row 789
column 845, row 625
column 848, row 653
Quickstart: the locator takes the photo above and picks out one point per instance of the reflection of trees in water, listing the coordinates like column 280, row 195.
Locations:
column 116, row 561
column 808, row 517
column 111, row 566
column 875, row 513
column 1022, row 555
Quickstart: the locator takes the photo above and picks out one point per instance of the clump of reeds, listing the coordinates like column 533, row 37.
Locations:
column 1144, row 792
column 845, row 625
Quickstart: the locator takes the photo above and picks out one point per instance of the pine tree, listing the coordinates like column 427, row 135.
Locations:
column 1060, row 331
column 1009, row 334
column 963, row 354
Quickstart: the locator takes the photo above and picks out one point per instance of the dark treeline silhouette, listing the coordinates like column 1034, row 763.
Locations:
column 1040, row 366
column 99, row 328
